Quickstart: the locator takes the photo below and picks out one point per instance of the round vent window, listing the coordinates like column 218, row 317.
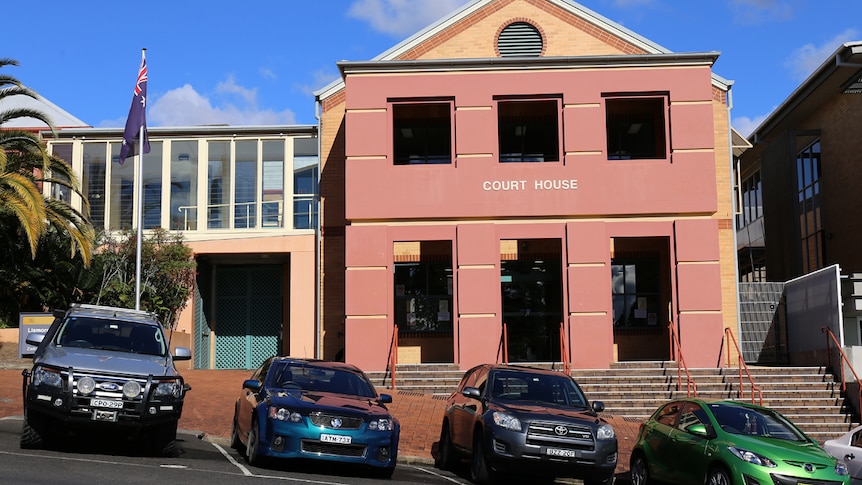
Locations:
column 519, row 39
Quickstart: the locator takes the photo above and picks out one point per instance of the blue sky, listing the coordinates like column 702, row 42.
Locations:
column 258, row 62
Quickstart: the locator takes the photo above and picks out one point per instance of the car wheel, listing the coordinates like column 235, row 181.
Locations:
column 252, row 449
column 383, row 473
column 480, row 471
column 31, row 438
column 235, row 442
column 609, row 480
column 445, row 453
column 164, row 440
column 718, row 476
column 639, row 469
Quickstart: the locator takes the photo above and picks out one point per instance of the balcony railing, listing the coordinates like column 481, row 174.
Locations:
column 272, row 216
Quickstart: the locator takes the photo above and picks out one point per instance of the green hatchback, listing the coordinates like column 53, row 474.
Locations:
column 696, row 441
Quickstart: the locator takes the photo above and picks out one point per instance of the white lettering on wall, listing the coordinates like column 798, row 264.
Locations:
column 504, row 185
column 521, row 185
column 557, row 184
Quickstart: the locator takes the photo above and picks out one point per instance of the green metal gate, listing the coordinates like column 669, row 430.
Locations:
column 248, row 315
column 202, row 333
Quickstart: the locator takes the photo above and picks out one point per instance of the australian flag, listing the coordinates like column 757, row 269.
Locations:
column 137, row 117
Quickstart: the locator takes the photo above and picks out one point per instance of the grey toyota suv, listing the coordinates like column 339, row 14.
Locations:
column 106, row 369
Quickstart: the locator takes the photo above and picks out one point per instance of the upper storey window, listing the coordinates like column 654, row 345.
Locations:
column 637, row 127
column 529, row 130
column 422, row 132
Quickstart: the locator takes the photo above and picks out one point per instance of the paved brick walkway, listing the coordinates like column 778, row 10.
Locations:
column 209, row 409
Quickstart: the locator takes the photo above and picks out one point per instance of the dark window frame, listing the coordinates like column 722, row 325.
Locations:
column 637, row 126
column 423, row 131
column 529, row 129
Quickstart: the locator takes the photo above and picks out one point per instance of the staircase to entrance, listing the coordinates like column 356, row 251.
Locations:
column 808, row 396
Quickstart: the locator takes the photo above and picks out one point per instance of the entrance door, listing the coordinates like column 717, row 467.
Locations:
column 532, row 301
column 248, row 315
column 641, row 289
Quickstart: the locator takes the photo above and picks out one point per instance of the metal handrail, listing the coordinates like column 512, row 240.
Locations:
column 740, row 363
column 844, row 360
column 393, row 357
column 691, row 387
column 567, row 367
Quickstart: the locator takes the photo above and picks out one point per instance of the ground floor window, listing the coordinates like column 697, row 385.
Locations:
column 423, row 287
column 636, row 290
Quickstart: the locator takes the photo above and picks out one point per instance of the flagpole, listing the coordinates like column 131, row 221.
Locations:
column 140, row 183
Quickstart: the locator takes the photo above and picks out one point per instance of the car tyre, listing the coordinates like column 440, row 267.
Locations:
column 252, row 450
column 639, row 469
column 445, row 453
column 480, row 470
column 718, row 476
column 235, row 442
column 31, row 438
column 165, row 440
column 383, row 473
column 608, row 480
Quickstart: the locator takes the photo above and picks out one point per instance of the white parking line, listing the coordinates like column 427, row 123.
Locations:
column 432, row 472
column 248, row 472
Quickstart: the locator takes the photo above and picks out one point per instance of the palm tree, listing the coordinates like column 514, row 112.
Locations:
column 25, row 166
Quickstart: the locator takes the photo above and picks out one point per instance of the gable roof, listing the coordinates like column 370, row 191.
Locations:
column 58, row 116
column 574, row 8
column 839, row 74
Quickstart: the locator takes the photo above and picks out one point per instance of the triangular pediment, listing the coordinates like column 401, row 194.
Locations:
column 552, row 28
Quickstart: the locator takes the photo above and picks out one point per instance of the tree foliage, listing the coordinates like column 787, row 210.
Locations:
column 168, row 271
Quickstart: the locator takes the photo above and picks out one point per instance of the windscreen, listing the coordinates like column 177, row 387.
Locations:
column 112, row 334
column 320, row 379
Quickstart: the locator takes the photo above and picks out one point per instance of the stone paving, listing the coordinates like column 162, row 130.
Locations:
column 209, row 406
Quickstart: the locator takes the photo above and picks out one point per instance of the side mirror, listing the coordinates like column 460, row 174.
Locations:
column 471, row 392
column 182, row 353
column 35, row 338
column 384, row 398
column 598, row 406
column 251, row 384
column 699, row 430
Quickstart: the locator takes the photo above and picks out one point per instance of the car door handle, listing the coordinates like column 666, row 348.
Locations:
column 849, row 456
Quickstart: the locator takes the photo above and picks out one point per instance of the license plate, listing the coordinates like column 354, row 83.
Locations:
column 106, row 403
column 335, row 438
column 560, row 452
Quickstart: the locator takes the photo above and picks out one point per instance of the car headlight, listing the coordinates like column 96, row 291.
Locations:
column 507, row 421
column 841, row 468
column 284, row 414
column 131, row 389
column 605, row 432
column 382, row 424
column 171, row 388
column 47, row 377
column 86, row 385
column 751, row 457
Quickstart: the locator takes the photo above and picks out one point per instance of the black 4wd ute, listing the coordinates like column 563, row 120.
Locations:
column 104, row 368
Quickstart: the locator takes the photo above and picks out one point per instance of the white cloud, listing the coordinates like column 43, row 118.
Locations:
column 804, row 60
column 746, row 126
column 186, row 107
column 320, row 80
column 402, row 17
column 758, row 11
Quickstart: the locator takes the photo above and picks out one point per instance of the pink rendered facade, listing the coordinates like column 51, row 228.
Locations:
column 594, row 210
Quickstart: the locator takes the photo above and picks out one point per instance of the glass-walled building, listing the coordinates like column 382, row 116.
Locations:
column 245, row 199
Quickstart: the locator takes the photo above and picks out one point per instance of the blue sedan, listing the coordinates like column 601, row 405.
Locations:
column 301, row 408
